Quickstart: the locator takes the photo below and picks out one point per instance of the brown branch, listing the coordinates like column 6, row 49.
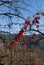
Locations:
column 18, row 7
column 12, row 14
column 40, row 38
column 36, row 31
column 5, row 2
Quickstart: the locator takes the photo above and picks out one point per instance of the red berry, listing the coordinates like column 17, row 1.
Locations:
column 27, row 22
column 37, row 17
column 15, row 42
column 10, row 46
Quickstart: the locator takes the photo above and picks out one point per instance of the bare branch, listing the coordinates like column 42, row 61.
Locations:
column 12, row 14
column 36, row 31
column 5, row 2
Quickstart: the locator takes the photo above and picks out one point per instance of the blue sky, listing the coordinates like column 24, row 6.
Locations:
column 35, row 6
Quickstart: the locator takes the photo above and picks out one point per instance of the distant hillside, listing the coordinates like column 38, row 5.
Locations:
column 8, row 38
